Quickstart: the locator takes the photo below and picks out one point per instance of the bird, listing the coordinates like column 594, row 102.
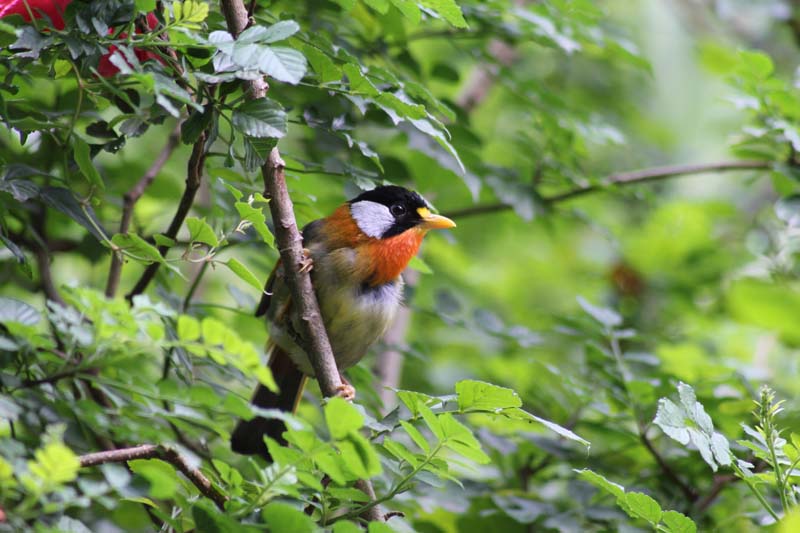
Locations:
column 355, row 257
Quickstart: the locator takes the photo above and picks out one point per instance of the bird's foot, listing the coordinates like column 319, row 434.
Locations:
column 345, row 390
column 307, row 264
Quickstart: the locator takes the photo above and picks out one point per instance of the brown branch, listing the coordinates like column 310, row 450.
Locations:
column 194, row 175
column 688, row 491
column 622, row 179
column 154, row 451
column 290, row 245
column 129, row 202
column 720, row 482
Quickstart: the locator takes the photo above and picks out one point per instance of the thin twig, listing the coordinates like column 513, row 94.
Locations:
column 154, row 451
column 194, row 174
column 622, row 179
column 687, row 490
column 720, row 482
column 129, row 202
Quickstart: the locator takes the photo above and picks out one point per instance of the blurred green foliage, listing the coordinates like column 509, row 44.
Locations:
column 584, row 349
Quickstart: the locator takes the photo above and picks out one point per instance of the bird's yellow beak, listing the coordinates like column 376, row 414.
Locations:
column 431, row 221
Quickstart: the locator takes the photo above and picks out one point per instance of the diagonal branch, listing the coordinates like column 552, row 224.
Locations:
column 155, row 451
column 621, row 179
column 129, row 202
column 194, row 174
column 290, row 245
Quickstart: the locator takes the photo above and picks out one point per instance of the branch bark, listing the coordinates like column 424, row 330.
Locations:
column 129, row 202
column 155, row 451
column 290, row 245
column 622, row 179
column 194, row 175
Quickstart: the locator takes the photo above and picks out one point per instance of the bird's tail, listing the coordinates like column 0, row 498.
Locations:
column 248, row 437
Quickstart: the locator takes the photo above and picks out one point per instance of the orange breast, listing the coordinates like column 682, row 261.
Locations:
column 389, row 257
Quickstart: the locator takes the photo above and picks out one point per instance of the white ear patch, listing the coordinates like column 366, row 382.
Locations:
column 372, row 218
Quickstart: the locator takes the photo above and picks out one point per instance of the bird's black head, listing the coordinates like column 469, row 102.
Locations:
column 388, row 210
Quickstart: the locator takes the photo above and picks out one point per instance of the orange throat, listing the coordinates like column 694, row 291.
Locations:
column 389, row 257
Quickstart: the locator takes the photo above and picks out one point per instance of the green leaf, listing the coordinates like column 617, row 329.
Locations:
column 326, row 69
column 284, row 517
column 188, row 328
column 54, row 464
column 256, row 217
column 409, row 10
column 449, row 11
column 163, row 240
column 84, row 160
column 200, row 231
column 260, row 118
column 197, row 123
column 678, row 523
column 643, row 506
column 280, row 31
column 359, row 456
column 416, row 436
column 284, row 64
column 615, row 489
column 12, row 310
column 342, row 418
column 64, row 200
column 346, row 527
column 140, row 249
column 359, row 83
column 162, row 476
column 400, row 451
column 214, row 331
column 244, row 273
column 381, row 6
column 479, row 395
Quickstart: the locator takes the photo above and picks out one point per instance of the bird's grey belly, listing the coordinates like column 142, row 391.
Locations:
column 355, row 318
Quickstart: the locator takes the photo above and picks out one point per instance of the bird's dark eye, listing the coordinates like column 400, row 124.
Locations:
column 398, row 210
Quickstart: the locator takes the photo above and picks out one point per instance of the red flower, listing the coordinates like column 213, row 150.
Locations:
column 54, row 9
column 107, row 69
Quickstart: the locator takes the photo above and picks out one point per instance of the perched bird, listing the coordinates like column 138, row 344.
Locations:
column 355, row 257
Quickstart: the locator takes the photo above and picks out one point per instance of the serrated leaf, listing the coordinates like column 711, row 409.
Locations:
column 161, row 475
column 678, row 523
column 359, row 83
column 280, row 31
column 325, row 68
column 64, row 200
column 416, row 436
column 615, row 489
column 359, row 456
column 643, row 506
column 449, row 11
column 283, row 517
column 479, row 395
column 140, row 249
column 188, row 328
column 256, row 217
column 200, row 231
column 284, row 64
column 342, row 418
column 244, row 273
column 260, row 118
